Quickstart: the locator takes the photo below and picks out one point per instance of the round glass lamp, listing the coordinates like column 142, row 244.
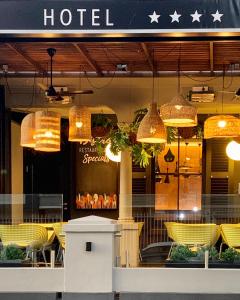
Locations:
column 112, row 156
column 48, row 129
column 179, row 113
column 233, row 150
column 79, row 124
column 28, row 131
column 221, row 126
column 151, row 129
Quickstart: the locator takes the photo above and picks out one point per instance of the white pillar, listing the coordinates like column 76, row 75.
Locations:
column 90, row 271
column 125, row 197
column 129, row 241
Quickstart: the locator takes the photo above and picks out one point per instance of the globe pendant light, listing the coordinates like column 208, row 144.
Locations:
column 179, row 112
column 79, row 124
column 110, row 155
column 151, row 129
column 48, row 128
column 28, row 131
column 221, row 126
column 233, row 150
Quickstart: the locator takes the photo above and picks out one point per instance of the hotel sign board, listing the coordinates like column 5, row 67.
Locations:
column 119, row 17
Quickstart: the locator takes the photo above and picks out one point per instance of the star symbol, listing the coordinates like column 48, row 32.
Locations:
column 175, row 17
column 154, row 17
column 217, row 16
column 196, row 16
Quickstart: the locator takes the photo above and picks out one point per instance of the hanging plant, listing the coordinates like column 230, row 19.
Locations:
column 123, row 137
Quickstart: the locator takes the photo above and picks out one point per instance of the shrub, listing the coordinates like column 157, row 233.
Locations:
column 181, row 253
column 230, row 255
column 12, row 252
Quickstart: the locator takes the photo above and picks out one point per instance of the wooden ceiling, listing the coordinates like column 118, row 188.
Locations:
column 102, row 58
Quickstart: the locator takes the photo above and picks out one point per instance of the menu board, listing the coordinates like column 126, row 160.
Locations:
column 96, row 179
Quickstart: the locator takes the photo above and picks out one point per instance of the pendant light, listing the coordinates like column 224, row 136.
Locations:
column 28, row 131
column 222, row 126
column 48, row 128
column 151, row 129
column 179, row 112
column 79, row 124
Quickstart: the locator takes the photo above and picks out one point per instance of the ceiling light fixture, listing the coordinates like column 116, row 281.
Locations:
column 222, row 126
column 79, row 124
column 48, row 129
column 28, row 131
column 111, row 155
column 179, row 112
column 151, row 129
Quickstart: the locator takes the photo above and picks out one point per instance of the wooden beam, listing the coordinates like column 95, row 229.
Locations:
column 82, row 50
column 147, row 55
column 211, row 56
column 28, row 59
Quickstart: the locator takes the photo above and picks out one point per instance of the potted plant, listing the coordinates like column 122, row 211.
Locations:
column 12, row 256
column 101, row 125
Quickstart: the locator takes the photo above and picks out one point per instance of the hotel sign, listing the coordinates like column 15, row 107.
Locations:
column 119, row 16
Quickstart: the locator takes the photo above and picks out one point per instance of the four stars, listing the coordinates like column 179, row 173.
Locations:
column 195, row 17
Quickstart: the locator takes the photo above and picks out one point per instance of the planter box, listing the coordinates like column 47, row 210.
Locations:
column 17, row 263
column 195, row 264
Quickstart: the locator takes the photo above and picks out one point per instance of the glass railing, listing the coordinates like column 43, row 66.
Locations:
column 30, row 230
column 205, row 235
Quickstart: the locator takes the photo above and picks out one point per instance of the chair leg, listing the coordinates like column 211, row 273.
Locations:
column 220, row 250
column 44, row 256
column 170, row 251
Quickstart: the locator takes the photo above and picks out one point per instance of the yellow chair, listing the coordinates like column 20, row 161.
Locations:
column 194, row 235
column 230, row 236
column 31, row 237
column 50, row 237
column 58, row 229
column 168, row 225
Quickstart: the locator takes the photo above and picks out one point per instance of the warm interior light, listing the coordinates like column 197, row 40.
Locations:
column 233, row 150
column 111, row 156
column 195, row 209
column 178, row 107
column 79, row 124
column 222, row 123
column 48, row 134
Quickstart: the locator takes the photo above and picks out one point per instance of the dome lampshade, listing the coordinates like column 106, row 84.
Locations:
column 179, row 113
column 79, row 124
column 221, row 126
column 48, row 130
column 28, row 131
column 151, row 129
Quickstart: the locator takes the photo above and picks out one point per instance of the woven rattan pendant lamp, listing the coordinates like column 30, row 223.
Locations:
column 222, row 126
column 28, row 131
column 79, row 124
column 48, row 130
column 151, row 129
column 179, row 112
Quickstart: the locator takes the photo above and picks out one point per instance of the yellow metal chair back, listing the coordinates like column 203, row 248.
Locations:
column 231, row 234
column 168, row 225
column 58, row 229
column 25, row 235
column 195, row 234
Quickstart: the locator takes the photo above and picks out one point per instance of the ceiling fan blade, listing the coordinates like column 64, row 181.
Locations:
column 83, row 92
column 227, row 92
column 42, row 86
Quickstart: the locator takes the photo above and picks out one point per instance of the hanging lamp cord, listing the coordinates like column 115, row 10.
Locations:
column 153, row 78
column 179, row 70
